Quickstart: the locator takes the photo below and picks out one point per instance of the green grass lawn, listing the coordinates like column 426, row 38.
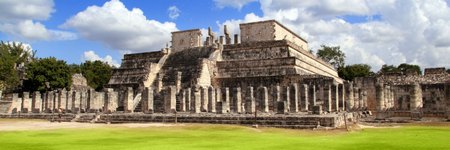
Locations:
column 197, row 136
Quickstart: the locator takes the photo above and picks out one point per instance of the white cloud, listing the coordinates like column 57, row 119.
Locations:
column 174, row 12
column 407, row 31
column 92, row 56
column 119, row 28
column 31, row 30
column 17, row 18
column 232, row 3
column 25, row 10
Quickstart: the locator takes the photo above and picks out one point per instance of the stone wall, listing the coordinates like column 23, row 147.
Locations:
column 407, row 95
column 269, row 30
column 186, row 39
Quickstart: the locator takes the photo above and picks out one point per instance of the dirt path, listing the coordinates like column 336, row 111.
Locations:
column 21, row 125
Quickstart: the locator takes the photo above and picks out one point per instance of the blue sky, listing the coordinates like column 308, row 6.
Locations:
column 375, row 33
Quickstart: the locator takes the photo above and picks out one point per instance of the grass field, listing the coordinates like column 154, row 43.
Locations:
column 197, row 136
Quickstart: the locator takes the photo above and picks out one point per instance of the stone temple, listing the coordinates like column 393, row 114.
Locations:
column 269, row 58
column 265, row 75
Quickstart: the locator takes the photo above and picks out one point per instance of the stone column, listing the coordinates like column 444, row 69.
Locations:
column 49, row 102
column 83, row 101
column 356, row 98
column 212, row 99
column 250, row 104
column 226, row 101
column 294, row 95
column 63, row 99
column 99, row 101
column 147, row 100
column 263, row 99
column 351, row 97
column 312, row 95
column 385, row 98
column 26, row 102
column 128, row 101
column 335, row 93
column 205, row 99
column 91, row 101
column 276, row 97
column 416, row 97
column 327, row 97
column 56, row 102
column 170, row 99
column 342, row 96
column 69, row 106
column 76, row 102
column 287, row 98
column 196, row 103
column 188, row 99
column 111, row 100
column 238, row 103
column 391, row 97
column 36, row 102
column 218, row 97
column 178, row 81
column 364, row 99
column 16, row 104
column 304, row 97
column 183, row 100
column 379, row 95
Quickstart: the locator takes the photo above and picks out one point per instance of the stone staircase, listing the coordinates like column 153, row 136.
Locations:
column 294, row 122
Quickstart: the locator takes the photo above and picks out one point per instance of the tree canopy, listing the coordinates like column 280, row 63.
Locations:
column 401, row 69
column 97, row 73
column 332, row 55
column 48, row 70
column 349, row 72
column 13, row 57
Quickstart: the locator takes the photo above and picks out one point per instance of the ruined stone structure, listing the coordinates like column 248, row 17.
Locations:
column 270, row 71
column 409, row 95
column 267, row 74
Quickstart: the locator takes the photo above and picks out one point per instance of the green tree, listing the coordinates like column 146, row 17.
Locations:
column 97, row 73
column 332, row 55
column 401, row 69
column 349, row 72
column 404, row 68
column 74, row 68
column 385, row 69
column 48, row 70
column 13, row 57
column 448, row 70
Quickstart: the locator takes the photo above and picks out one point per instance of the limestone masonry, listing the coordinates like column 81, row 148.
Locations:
column 267, row 70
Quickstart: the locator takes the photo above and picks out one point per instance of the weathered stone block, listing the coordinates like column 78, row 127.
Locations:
column 250, row 102
column 197, row 101
column 205, row 100
column 147, row 100
column 294, row 96
column 262, row 97
column 26, row 102
column 212, row 99
column 37, row 102
column 304, row 97
column 128, row 101
column 170, row 99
